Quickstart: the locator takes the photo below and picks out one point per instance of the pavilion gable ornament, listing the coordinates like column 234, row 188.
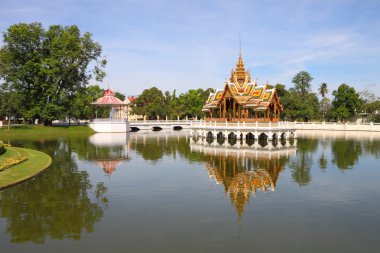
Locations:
column 241, row 99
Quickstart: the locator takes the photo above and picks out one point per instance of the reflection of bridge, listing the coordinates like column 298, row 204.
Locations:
column 269, row 150
column 157, row 125
column 244, row 130
column 244, row 169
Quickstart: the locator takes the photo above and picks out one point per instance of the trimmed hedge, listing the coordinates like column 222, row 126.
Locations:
column 2, row 149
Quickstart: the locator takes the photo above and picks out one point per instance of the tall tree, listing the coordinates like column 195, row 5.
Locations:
column 150, row 103
column 298, row 107
column 346, row 102
column 302, row 82
column 325, row 105
column 10, row 103
column 81, row 105
column 192, row 101
column 367, row 96
column 47, row 67
column 281, row 90
column 323, row 89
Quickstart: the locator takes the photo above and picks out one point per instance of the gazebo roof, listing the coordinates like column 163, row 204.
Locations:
column 109, row 99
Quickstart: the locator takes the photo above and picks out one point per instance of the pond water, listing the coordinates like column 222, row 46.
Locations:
column 165, row 192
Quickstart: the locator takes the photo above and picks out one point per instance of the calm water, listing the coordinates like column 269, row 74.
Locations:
column 163, row 192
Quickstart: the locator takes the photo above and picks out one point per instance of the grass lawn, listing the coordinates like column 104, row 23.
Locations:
column 44, row 130
column 36, row 163
column 12, row 156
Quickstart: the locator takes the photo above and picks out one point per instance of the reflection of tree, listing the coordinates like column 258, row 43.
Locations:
column 372, row 148
column 323, row 162
column 56, row 204
column 242, row 176
column 301, row 163
column 154, row 148
column 346, row 153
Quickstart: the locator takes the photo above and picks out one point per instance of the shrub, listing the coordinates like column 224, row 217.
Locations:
column 2, row 149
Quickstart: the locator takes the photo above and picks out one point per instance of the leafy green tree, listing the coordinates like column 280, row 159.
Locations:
column 373, row 108
column 192, row 102
column 10, row 103
column 302, row 82
column 81, row 107
column 345, row 103
column 298, row 107
column 325, row 105
column 47, row 67
column 281, row 90
column 323, row 89
column 150, row 103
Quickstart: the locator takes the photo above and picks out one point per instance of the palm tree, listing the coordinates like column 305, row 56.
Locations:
column 323, row 89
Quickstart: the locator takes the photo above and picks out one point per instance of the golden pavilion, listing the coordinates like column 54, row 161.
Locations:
column 243, row 100
column 242, row 177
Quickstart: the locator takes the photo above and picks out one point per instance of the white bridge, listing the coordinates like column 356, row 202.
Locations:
column 244, row 130
column 157, row 125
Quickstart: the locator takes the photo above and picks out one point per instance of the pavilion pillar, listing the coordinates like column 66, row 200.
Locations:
column 234, row 109
column 224, row 110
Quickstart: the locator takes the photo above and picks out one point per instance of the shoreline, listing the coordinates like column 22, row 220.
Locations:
column 37, row 163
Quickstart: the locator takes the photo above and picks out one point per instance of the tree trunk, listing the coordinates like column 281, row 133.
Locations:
column 9, row 122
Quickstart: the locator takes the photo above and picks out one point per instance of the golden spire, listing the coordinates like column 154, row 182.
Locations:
column 240, row 76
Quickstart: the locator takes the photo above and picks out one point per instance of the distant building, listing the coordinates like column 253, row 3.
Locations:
column 242, row 100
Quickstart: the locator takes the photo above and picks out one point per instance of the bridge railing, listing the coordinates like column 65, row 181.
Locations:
column 229, row 125
column 162, row 121
column 108, row 120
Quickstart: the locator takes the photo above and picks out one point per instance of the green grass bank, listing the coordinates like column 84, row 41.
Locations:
column 34, row 162
column 44, row 130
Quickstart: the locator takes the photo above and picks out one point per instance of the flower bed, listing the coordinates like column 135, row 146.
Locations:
column 11, row 157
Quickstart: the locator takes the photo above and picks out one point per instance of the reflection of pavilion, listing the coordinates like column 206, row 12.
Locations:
column 244, row 171
column 110, row 150
column 109, row 167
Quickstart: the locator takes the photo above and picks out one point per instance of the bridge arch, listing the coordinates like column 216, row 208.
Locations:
column 263, row 136
column 250, row 136
column 232, row 135
column 134, row 129
column 156, row 128
column 176, row 128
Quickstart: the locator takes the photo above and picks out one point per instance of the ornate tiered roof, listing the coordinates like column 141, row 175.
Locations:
column 109, row 99
column 244, row 91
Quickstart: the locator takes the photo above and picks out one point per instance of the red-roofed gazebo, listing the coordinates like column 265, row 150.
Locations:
column 115, row 122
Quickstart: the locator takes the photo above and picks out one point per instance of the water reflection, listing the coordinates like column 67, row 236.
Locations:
column 62, row 203
column 301, row 163
column 110, row 150
column 153, row 146
column 346, row 148
column 244, row 169
column 166, row 186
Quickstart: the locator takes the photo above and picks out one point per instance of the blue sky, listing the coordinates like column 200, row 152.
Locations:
column 190, row 44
